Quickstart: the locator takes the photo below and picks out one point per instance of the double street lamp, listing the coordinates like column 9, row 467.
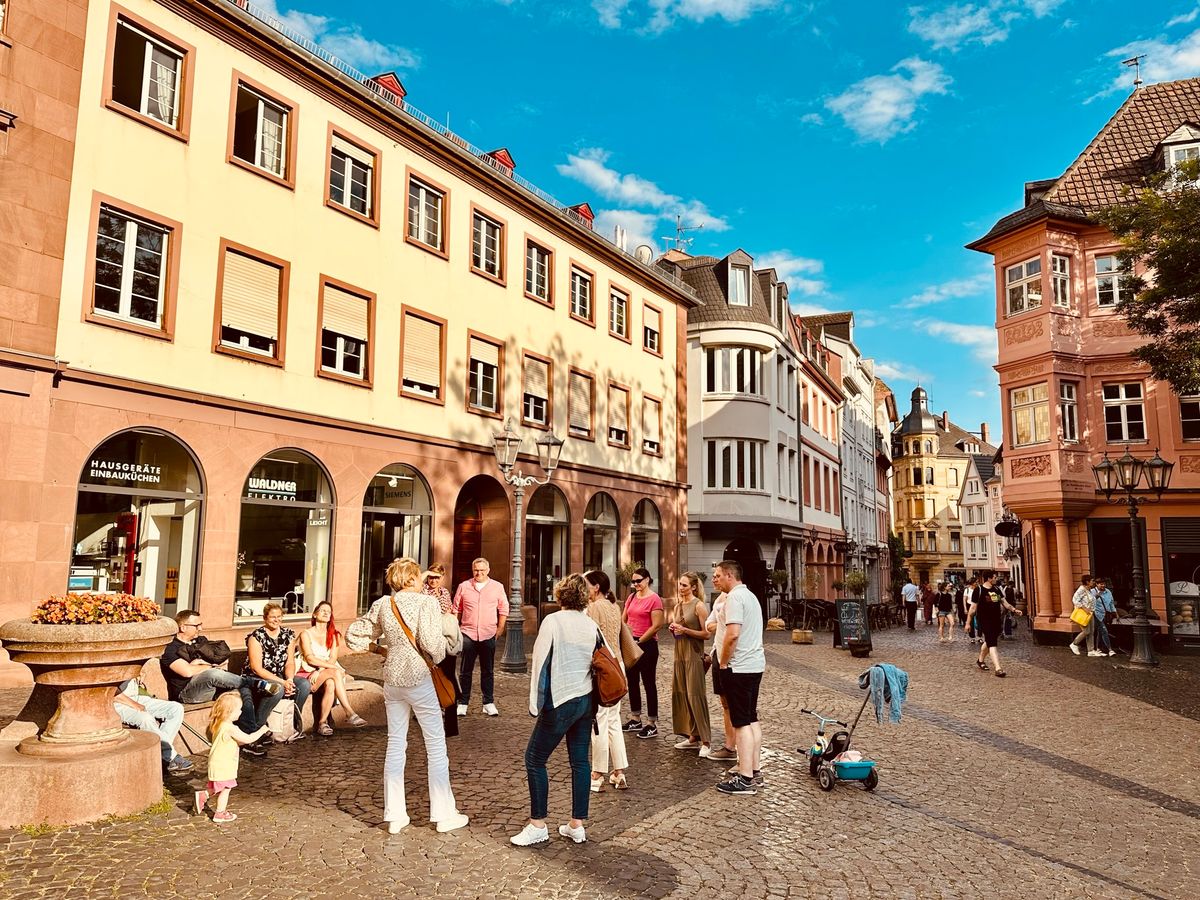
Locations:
column 1123, row 477
column 507, row 446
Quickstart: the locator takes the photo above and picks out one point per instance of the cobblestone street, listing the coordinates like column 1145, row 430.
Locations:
column 1070, row 778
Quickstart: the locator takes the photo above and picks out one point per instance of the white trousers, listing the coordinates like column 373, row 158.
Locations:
column 401, row 703
column 609, row 744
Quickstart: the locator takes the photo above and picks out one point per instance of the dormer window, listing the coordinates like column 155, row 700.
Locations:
column 1182, row 146
column 1185, row 153
column 739, row 286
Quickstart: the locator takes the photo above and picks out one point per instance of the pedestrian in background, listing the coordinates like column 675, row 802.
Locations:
column 945, row 613
column 1084, row 599
column 433, row 581
column 560, row 695
column 644, row 616
column 927, row 601
column 968, row 602
column 608, row 740
column 1105, row 607
column 987, row 607
column 483, row 611
column 742, row 665
column 689, row 694
column 911, row 595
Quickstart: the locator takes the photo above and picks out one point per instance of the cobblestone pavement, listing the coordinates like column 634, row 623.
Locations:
column 1060, row 781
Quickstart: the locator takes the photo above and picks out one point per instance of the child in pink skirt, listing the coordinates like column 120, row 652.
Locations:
column 223, row 756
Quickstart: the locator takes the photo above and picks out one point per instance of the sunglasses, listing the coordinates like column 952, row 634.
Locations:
column 636, row 580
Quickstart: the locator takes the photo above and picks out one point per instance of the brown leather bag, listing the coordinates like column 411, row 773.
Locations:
column 446, row 694
column 608, row 679
column 631, row 650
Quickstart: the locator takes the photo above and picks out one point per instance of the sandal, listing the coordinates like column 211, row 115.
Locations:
column 324, row 730
column 1000, row 673
column 982, row 666
column 356, row 720
column 619, row 782
column 597, row 784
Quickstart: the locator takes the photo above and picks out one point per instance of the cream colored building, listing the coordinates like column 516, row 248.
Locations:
column 294, row 312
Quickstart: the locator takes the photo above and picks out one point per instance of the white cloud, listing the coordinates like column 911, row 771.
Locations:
column 954, row 289
column 345, row 41
column 882, row 106
column 812, row 119
column 895, row 371
column 979, row 339
column 809, row 309
column 1165, row 61
column 797, row 271
column 1042, row 8
column 639, row 227
column 1184, row 18
column 978, row 393
column 955, row 25
column 610, row 11
column 659, row 15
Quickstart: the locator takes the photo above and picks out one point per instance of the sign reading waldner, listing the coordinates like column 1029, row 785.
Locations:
column 270, row 489
column 124, row 472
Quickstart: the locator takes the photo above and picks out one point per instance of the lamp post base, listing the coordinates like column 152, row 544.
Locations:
column 1142, row 656
column 513, row 662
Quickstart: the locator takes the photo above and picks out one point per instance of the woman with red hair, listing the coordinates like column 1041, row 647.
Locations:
column 319, row 664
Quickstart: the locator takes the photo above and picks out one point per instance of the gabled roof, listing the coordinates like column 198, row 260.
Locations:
column 838, row 324
column 984, row 465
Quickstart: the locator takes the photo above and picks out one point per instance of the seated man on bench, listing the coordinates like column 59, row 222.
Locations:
column 190, row 679
column 163, row 717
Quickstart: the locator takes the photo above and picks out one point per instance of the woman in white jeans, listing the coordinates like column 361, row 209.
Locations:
column 408, row 689
column 608, row 740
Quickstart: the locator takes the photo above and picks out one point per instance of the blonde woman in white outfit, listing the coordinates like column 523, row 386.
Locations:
column 608, row 741
column 407, row 690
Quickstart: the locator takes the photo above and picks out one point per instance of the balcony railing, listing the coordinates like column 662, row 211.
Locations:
column 400, row 105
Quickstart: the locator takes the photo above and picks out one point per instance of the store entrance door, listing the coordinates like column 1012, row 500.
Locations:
column 1112, row 557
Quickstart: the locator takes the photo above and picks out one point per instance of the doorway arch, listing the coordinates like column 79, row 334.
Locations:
column 747, row 553
column 397, row 522
column 546, row 560
column 482, row 527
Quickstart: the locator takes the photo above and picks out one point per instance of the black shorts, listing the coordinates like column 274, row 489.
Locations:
column 718, row 687
column 740, row 690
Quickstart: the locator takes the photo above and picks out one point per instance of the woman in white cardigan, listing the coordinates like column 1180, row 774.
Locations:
column 408, row 689
column 560, row 695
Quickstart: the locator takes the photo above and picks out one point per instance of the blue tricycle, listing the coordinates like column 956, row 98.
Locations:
column 823, row 763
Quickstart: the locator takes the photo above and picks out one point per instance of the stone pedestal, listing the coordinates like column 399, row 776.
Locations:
column 120, row 781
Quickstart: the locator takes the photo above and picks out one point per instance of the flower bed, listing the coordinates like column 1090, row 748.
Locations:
column 94, row 609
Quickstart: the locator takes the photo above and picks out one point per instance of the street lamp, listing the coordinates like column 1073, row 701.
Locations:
column 507, row 446
column 1123, row 477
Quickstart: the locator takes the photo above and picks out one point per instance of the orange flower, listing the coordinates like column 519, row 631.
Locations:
column 95, row 609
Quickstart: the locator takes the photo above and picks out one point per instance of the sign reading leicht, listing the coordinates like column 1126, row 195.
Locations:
column 126, row 472
column 270, row 489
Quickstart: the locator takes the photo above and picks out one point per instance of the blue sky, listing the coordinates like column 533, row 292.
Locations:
column 855, row 147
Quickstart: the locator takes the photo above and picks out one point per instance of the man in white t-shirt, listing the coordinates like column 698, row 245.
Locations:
column 742, row 664
column 912, row 596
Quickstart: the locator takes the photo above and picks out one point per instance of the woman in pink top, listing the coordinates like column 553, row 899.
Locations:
column 644, row 616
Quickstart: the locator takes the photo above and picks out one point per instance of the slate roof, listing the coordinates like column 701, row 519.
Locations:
column 837, row 323
column 1120, row 157
column 986, row 466
column 709, row 277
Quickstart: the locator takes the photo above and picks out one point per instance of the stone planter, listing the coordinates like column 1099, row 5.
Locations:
column 802, row 636
column 76, row 671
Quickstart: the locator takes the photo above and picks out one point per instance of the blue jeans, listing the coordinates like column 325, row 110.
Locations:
column 1103, row 641
column 574, row 720
column 205, row 686
column 163, row 717
column 303, row 689
column 486, row 651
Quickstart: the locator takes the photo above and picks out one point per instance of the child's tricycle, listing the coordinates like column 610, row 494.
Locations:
column 826, row 760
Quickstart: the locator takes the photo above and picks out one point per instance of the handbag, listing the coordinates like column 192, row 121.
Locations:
column 212, row 652
column 281, row 721
column 631, row 650
column 441, row 681
column 608, row 680
column 1081, row 616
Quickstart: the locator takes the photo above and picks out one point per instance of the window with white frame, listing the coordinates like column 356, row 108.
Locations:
column 581, row 294
column 146, row 73
column 933, row 542
column 351, row 176
column 1024, row 286
column 1110, row 278
column 1030, row 415
column 537, row 271
column 929, row 475
column 618, row 313
column 1068, row 410
column 1124, row 412
column 260, row 131
column 1189, row 416
column 486, row 240
column 535, row 394
column 733, row 370
column 955, row 542
column 618, row 415
column 1184, row 153
column 483, row 376
column 131, row 268
column 739, row 286
column 1060, row 279
column 734, row 465
column 345, row 331
column 651, row 329
column 651, row 425
column 919, row 536
column 791, row 475
column 426, row 214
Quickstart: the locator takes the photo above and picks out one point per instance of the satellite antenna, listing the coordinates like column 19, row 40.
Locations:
column 644, row 253
column 680, row 230
column 1136, row 62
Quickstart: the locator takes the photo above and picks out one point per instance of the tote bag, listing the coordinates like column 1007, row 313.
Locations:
column 1081, row 616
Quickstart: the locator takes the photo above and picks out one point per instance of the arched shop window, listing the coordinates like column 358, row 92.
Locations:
column 600, row 525
column 285, row 536
column 646, row 536
column 397, row 521
column 138, row 520
column 547, row 524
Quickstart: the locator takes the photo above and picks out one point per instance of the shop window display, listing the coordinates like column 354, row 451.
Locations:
column 1181, row 546
column 646, row 535
column 138, row 520
column 397, row 522
column 285, row 536
column 600, row 525
column 547, row 523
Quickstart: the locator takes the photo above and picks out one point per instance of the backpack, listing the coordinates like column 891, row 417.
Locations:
column 212, row 652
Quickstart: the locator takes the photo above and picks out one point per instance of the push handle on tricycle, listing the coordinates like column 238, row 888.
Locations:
column 822, row 718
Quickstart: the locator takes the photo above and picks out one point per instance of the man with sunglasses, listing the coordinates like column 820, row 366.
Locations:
column 191, row 679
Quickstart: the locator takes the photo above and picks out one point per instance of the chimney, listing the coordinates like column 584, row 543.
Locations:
column 945, row 420
column 983, row 432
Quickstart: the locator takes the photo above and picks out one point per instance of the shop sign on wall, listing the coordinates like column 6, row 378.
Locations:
column 128, row 473
column 270, row 489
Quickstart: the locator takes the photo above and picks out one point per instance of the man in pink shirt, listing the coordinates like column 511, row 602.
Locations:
column 482, row 609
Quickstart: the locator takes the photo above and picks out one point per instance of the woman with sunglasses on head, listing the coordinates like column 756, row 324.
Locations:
column 434, row 585
column 644, row 616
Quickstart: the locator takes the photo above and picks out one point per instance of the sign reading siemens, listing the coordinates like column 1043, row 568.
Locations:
column 111, row 470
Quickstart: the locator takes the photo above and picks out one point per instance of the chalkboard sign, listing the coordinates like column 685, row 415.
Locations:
column 852, row 622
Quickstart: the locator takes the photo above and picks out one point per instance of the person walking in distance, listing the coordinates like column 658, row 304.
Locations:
column 482, row 609
column 927, row 601
column 644, row 616
column 911, row 595
column 945, row 613
column 1085, row 599
column 988, row 606
column 742, row 664
column 968, row 599
column 1105, row 607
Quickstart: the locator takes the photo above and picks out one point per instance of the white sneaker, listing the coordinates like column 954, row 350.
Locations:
column 395, row 826
column 578, row 835
column 456, row 821
column 462, row 709
column 1074, row 649
column 530, row 835
column 687, row 745
column 705, row 751
column 1097, row 653
column 490, row 709
column 1112, row 652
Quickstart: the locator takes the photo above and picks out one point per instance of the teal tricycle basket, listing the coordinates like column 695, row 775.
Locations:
column 857, row 770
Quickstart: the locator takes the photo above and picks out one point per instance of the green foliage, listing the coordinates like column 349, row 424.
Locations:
column 856, row 582
column 1159, row 230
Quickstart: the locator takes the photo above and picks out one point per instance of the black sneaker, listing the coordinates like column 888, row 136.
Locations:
column 632, row 725
column 650, row 731
column 253, row 751
column 738, row 784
